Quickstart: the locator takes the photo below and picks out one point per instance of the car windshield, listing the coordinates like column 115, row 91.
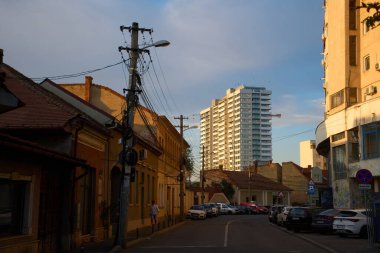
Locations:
column 329, row 212
column 197, row 208
column 348, row 213
column 298, row 211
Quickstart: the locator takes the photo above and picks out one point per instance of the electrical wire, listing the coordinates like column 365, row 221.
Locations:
column 292, row 135
column 39, row 79
column 163, row 76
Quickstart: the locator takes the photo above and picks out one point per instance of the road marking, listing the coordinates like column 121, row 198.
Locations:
column 226, row 230
column 180, row 246
column 226, row 234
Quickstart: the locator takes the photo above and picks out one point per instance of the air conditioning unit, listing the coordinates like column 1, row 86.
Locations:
column 370, row 90
column 377, row 66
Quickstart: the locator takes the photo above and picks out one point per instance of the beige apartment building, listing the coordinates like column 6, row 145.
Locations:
column 237, row 130
column 309, row 156
column 349, row 136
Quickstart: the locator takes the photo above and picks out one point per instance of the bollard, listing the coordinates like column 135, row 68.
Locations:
column 137, row 233
column 81, row 249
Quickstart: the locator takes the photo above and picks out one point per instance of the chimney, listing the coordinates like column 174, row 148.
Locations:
column 87, row 88
column 1, row 55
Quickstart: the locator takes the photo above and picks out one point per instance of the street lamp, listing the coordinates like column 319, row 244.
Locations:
column 160, row 43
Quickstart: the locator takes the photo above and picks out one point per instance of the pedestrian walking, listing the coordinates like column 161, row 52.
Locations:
column 154, row 212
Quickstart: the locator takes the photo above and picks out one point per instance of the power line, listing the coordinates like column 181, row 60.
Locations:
column 293, row 135
column 39, row 79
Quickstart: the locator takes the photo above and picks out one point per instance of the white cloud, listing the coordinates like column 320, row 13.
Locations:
column 292, row 113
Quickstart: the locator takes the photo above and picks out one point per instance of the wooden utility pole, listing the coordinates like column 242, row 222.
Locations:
column 181, row 171
column 127, row 140
column 129, row 155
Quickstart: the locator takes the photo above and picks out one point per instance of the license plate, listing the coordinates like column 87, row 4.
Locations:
column 296, row 218
column 340, row 226
column 320, row 222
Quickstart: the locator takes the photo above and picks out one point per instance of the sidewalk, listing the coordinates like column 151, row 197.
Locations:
column 133, row 237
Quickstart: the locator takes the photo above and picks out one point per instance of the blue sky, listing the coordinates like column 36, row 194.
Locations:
column 215, row 45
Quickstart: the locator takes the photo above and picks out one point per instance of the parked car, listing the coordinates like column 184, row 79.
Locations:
column 299, row 218
column 272, row 214
column 197, row 212
column 215, row 208
column 227, row 209
column 261, row 209
column 351, row 222
column 245, row 210
column 282, row 215
column 209, row 211
column 252, row 205
column 323, row 221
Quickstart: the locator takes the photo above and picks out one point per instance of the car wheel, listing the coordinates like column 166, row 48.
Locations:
column 363, row 232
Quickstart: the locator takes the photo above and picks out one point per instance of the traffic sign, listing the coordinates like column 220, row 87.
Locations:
column 364, row 176
column 311, row 188
column 365, row 186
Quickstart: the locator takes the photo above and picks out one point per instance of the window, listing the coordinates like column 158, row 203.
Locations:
column 352, row 14
column 371, row 141
column 339, row 165
column 143, row 154
column 366, row 63
column 365, row 27
column 12, row 206
column 337, row 137
column 137, row 188
column 148, row 195
column 352, row 96
column 153, row 187
column 353, row 146
column 337, row 99
column 86, row 193
column 352, row 52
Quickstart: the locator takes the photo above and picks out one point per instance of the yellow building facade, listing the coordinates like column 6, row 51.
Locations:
column 349, row 136
column 157, row 172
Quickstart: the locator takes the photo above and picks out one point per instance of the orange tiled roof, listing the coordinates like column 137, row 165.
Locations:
column 258, row 182
column 40, row 109
column 241, row 180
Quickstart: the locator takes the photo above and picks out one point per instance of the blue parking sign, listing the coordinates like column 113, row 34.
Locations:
column 311, row 188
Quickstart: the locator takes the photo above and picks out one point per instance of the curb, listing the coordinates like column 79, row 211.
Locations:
column 118, row 249
column 324, row 247
column 328, row 249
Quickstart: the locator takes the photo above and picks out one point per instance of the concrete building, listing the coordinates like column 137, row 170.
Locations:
column 349, row 136
column 309, row 156
column 236, row 129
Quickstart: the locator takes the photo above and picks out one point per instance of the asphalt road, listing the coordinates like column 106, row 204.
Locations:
column 240, row 233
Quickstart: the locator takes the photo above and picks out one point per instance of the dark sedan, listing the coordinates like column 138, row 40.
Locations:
column 299, row 218
column 323, row 221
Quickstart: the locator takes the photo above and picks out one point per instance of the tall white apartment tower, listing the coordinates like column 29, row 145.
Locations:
column 236, row 130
